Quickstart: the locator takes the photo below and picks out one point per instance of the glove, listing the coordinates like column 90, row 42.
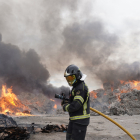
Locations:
column 64, row 107
column 64, row 102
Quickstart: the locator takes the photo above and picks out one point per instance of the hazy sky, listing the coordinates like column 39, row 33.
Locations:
column 98, row 36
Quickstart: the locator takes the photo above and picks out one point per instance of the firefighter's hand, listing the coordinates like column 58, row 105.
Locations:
column 64, row 107
column 64, row 102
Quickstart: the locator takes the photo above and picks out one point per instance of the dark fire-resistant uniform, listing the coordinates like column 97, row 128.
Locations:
column 79, row 111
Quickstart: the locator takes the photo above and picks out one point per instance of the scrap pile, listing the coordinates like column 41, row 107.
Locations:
column 14, row 133
column 10, row 131
column 6, row 121
column 129, row 104
column 116, row 99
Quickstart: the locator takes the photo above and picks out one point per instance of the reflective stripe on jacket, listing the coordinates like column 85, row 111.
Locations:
column 79, row 104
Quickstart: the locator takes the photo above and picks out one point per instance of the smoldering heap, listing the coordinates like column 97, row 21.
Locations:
column 124, row 99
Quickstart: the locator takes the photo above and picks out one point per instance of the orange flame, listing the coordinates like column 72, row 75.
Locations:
column 55, row 106
column 119, row 98
column 136, row 84
column 121, row 81
column 93, row 94
column 52, row 100
column 9, row 103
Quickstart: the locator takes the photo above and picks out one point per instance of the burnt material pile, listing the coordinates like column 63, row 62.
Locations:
column 129, row 104
column 54, row 128
column 14, row 133
column 123, row 99
column 6, row 121
column 10, row 131
column 100, row 101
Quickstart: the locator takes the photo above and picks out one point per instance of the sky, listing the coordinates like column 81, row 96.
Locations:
column 100, row 37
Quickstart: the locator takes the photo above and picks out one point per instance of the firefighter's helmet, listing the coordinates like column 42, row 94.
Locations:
column 72, row 74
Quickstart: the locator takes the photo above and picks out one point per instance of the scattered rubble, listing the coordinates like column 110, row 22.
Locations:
column 14, row 133
column 54, row 128
column 9, row 130
column 6, row 121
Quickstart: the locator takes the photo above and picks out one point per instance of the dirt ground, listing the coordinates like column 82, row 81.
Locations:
column 98, row 129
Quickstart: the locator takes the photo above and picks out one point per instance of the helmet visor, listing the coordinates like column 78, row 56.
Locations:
column 71, row 79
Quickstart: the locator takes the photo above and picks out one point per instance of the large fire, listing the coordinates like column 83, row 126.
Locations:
column 10, row 104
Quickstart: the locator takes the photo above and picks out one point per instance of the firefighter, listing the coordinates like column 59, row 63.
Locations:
column 78, row 105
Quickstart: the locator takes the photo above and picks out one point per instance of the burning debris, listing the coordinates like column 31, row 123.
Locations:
column 122, row 98
column 129, row 104
column 115, row 98
column 10, row 104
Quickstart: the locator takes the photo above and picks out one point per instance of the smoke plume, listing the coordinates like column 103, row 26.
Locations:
column 94, row 46
column 62, row 33
column 24, row 71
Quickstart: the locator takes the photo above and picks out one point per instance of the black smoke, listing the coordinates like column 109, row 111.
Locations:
column 24, row 71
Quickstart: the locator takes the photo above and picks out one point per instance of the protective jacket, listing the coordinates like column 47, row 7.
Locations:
column 79, row 104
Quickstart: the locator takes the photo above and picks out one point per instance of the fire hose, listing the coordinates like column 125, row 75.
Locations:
column 113, row 122
column 62, row 97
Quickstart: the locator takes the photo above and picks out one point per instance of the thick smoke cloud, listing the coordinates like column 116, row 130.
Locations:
column 94, row 46
column 24, row 71
column 89, row 41
column 62, row 33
